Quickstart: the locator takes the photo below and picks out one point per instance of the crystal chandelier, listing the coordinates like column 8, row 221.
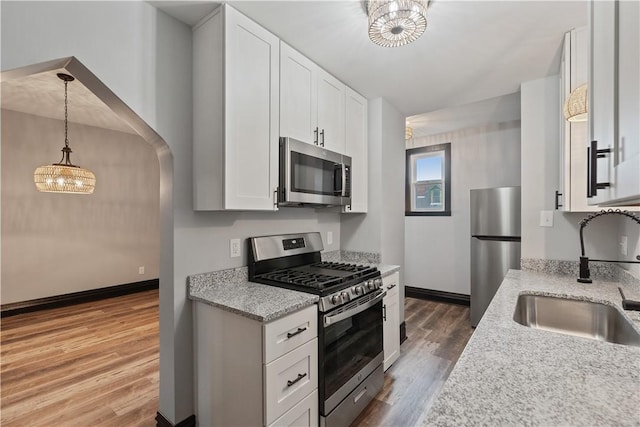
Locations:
column 575, row 108
column 395, row 23
column 64, row 176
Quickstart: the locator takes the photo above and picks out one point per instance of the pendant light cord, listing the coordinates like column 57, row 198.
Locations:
column 66, row 151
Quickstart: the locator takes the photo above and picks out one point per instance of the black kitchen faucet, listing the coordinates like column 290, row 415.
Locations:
column 585, row 275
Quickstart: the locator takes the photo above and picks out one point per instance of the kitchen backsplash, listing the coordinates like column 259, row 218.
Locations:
column 351, row 256
column 599, row 270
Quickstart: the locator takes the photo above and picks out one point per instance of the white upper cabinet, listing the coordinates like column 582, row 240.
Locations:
column 356, row 147
column 236, row 113
column 298, row 93
column 614, row 102
column 572, row 193
column 331, row 98
column 311, row 102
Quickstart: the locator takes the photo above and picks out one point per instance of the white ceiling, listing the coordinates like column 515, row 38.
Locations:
column 471, row 51
column 43, row 95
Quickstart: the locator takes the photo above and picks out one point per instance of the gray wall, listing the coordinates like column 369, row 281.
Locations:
column 54, row 244
column 381, row 230
column 632, row 231
column 540, row 141
column 144, row 56
column 485, row 152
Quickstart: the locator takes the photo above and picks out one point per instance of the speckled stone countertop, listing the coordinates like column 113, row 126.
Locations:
column 369, row 258
column 513, row 375
column 231, row 290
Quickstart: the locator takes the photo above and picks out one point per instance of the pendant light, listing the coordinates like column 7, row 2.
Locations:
column 64, row 177
column 408, row 133
column 575, row 108
column 394, row 23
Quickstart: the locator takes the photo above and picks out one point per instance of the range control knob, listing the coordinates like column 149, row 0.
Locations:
column 336, row 299
column 378, row 283
column 345, row 296
column 370, row 285
column 358, row 290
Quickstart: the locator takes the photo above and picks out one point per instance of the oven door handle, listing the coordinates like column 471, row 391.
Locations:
column 329, row 320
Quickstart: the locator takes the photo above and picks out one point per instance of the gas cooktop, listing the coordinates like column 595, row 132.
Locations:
column 318, row 277
column 293, row 261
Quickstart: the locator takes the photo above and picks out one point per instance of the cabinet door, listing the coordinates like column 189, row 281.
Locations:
column 298, row 95
column 357, row 147
column 391, row 326
column 601, row 89
column 564, row 173
column 252, row 59
column 626, row 158
column 576, row 195
column 331, row 103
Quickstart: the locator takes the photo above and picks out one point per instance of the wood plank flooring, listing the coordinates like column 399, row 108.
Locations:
column 437, row 333
column 92, row 364
column 96, row 364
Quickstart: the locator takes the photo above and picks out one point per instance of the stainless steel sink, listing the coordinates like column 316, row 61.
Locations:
column 573, row 317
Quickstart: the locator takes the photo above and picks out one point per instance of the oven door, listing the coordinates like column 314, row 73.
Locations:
column 312, row 175
column 350, row 346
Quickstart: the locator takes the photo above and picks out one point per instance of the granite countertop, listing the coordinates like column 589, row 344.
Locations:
column 231, row 290
column 387, row 269
column 511, row 374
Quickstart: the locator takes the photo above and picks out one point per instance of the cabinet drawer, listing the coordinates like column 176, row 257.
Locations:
column 304, row 414
column 287, row 333
column 391, row 284
column 289, row 379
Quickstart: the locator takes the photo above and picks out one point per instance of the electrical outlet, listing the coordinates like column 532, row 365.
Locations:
column 329, row 237
column 623, row 245
column 141, row 269
column 234, row 248
column 546, row 218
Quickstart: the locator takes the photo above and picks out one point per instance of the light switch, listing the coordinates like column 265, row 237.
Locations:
column 329, row 237
column 546, row 218
column 234, row 248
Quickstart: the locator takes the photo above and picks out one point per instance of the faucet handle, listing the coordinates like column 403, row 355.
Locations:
column 628, row 304
column 585, row 274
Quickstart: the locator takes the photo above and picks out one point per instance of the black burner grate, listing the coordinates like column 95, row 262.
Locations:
column 355, row 268
column 301, row 278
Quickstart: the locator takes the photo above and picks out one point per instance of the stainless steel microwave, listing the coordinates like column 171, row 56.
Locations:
column 312, row 175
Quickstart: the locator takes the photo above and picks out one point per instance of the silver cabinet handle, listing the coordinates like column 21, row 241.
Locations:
column 292, row 382
column 391, row 286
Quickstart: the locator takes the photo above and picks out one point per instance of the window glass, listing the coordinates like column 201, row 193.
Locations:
column 428, row 180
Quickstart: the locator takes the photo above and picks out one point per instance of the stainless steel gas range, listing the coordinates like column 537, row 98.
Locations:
column 350, row 318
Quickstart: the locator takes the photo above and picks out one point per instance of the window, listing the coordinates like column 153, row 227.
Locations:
column 428, row 187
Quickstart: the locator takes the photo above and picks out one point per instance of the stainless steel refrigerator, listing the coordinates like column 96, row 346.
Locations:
column 495, row 243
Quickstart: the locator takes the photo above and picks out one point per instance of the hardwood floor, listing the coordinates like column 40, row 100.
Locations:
column 437, row 333
column 96, row 364
column 92, row 364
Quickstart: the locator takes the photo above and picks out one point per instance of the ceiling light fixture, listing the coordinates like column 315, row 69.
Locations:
column 395, row 23
column 408, row 133
column 575, row 108
column 64, row 177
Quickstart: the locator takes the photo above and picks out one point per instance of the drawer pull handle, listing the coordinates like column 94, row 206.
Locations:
column 300, row 376
column 391, row 286
column 293, row 334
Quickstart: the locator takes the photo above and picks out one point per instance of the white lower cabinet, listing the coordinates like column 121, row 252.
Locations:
column 249, row 373
column 391, row 315
column 304, row 414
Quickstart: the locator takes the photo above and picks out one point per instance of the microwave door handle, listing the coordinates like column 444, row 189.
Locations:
column 343, row 193
column 338, row 180
column 330, row 320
